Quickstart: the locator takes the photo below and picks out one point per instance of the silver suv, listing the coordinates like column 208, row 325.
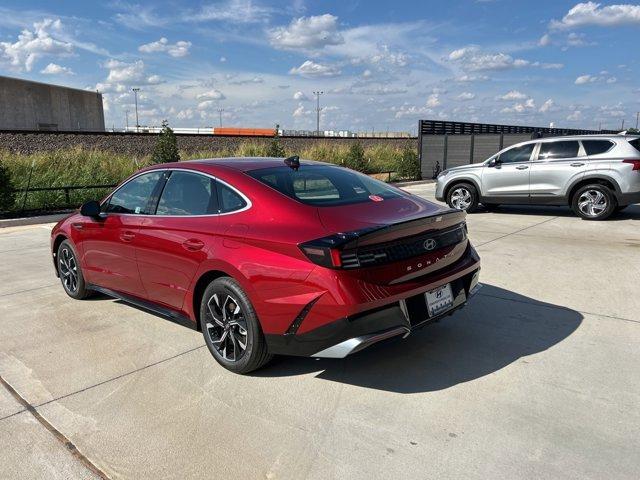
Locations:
column 596, row 175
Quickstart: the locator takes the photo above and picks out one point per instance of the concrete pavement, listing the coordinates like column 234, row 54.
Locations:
column 536, row 378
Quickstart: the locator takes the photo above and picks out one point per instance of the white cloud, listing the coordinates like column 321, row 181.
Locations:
column 544, row 40
column 55, row 69
column 31, row 46
column 520, row 107
column 207, row 104
column 433, row 100
column 129, row 73
column 602, row 78
column 300, row 96
column 464, row 96
column 301, row 111
column 312, row 69
column 246, row 81
column 178, row 49
column 223, row 59
column 231, row 11
column 211, row 95
column 592, row 13
column 470, row 78
column 473, row 59
column 513, row 95
column 307, row 33
column 547, row 106
column 576, row 115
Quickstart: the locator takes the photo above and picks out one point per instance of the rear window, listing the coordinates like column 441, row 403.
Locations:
column 562, row 149
column 323, row 186
column 594, row 147
column 635, row 143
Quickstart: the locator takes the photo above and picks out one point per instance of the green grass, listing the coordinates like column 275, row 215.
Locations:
column 91, row 167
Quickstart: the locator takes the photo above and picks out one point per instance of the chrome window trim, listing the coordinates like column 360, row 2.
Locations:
column 248, row 202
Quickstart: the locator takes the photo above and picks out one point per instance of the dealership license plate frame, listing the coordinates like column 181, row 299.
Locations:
column 439, row 300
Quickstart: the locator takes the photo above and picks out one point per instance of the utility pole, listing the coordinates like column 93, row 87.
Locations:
column 220, row 110
column 135, row 94
column 622, row 127
column 637, row 118
column 317, row 94
column 126, row 112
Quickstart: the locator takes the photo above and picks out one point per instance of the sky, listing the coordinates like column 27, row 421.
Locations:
column 382, row 65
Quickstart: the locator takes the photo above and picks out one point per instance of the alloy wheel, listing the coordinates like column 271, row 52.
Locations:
column 461, row 198
column 226, row 326
column 68, row 268
column 592, row 203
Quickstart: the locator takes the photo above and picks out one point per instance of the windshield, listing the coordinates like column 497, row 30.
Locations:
column 320, row 185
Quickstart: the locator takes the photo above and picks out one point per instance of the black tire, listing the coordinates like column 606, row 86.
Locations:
column 594, row 202
column 467, row 193
column 70, row 272
column 218, row 315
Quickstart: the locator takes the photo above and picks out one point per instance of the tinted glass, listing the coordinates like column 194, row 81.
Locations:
column 517, row 154
column 594, row 147
column 188, row 194
column 320, row 185
column 565, row 149
column 134, row 195
column 635, row 143
column 228, row 199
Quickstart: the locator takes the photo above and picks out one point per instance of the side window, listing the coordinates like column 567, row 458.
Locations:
column 188, row 194
column 561, row 149
column 517, row 154
column 228, row 199
column 594, row 147
column 134, row 195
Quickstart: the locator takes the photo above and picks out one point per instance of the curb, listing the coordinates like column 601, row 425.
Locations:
column 414, row 182
column 19, row 222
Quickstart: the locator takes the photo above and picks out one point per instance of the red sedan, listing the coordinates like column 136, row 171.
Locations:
column 270, row 256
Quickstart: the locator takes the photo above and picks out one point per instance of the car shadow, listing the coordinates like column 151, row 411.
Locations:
column 496, row 329
column 632, row 212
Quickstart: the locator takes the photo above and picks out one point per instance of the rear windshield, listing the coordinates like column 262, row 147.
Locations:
column 635, row 143
column 324, row 185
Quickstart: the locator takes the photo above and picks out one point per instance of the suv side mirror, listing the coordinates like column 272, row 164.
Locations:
column 90, row 209
column 494, row 163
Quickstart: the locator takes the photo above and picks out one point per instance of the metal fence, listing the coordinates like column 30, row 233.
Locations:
column 444, row 145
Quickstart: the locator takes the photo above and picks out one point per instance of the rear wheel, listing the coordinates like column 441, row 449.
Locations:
column 231, row 328
column 70, row 272
column 593, row 202
column 463, row 196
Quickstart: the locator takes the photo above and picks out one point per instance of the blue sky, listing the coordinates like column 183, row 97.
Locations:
column 382, row 65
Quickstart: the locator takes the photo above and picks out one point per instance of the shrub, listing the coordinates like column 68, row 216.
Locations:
column 275, row 149
column 355, row 158
column 7, row 196
column 408, row 166
column 166, row 149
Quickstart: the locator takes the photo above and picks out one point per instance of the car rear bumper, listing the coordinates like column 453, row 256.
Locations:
column 352, row 334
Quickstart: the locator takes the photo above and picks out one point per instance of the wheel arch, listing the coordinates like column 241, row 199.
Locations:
column 458, row 181
column 59, row 238
column 591, row 179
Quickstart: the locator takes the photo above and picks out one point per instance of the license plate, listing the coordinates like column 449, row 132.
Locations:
column 439, row 300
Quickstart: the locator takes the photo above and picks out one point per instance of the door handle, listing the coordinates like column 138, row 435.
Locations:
column 127, row 236
column 77, row 226
column 522, row 167
column 193, row 244
column 577, row 164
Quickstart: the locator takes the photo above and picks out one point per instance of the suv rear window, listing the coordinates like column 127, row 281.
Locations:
column 323, row 185
column 594, row 147
column 635, row 143
column 561, row 149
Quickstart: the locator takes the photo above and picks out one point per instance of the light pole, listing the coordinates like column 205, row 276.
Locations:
column 317, row 94
column 220, row 110
column 135, row 94
column 637, row 117
column 126, row 113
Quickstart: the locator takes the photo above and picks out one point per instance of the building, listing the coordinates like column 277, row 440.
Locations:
column 27, row 105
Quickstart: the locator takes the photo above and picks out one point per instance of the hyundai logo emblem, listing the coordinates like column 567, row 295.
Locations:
column 429, row 244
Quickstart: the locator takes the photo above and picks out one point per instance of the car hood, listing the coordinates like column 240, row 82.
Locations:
column 473, row 166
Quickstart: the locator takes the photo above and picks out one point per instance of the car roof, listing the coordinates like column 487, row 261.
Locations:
column 244, row 164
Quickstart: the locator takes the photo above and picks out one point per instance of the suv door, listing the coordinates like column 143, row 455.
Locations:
column 505, row 179
column 174, row 240
column 558, row 164
column 108, row 243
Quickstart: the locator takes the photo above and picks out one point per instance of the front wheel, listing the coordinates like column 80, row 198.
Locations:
column 463, row 196
column 593, row 202
column 231, row 328
column 70, row 272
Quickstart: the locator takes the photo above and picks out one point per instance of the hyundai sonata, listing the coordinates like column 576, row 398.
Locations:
column 270, row 256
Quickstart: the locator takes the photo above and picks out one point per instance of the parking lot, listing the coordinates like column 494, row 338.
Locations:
column 536, row 378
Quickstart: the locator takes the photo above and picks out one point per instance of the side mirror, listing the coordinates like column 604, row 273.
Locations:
column 90, row 209
column 494, row 163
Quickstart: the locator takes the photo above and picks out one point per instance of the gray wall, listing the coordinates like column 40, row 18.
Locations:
column 141, row 144
column 26, row 105
column 455, row 150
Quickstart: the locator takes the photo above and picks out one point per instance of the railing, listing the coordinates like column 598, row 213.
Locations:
column 66, row 189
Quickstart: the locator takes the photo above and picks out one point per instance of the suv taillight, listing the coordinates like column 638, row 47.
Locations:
column 635, row 163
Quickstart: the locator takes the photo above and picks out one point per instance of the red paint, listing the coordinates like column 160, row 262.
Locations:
column 376, row 198
column 161, row 258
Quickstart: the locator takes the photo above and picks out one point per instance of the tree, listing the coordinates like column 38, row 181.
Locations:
column 7, row 195
column 166, row 148
column 409, row 165
column 275, row 149
column 355, row 158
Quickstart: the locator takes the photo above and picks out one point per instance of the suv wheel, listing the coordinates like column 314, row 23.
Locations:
column 593, row 202
column 70, row 272
column 463, row 196
column 230, row 327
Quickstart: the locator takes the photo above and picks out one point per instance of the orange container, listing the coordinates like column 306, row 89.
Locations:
column 254, row 132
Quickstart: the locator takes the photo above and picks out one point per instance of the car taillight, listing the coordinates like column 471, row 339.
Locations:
column 324, row 256
column 635, row 163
